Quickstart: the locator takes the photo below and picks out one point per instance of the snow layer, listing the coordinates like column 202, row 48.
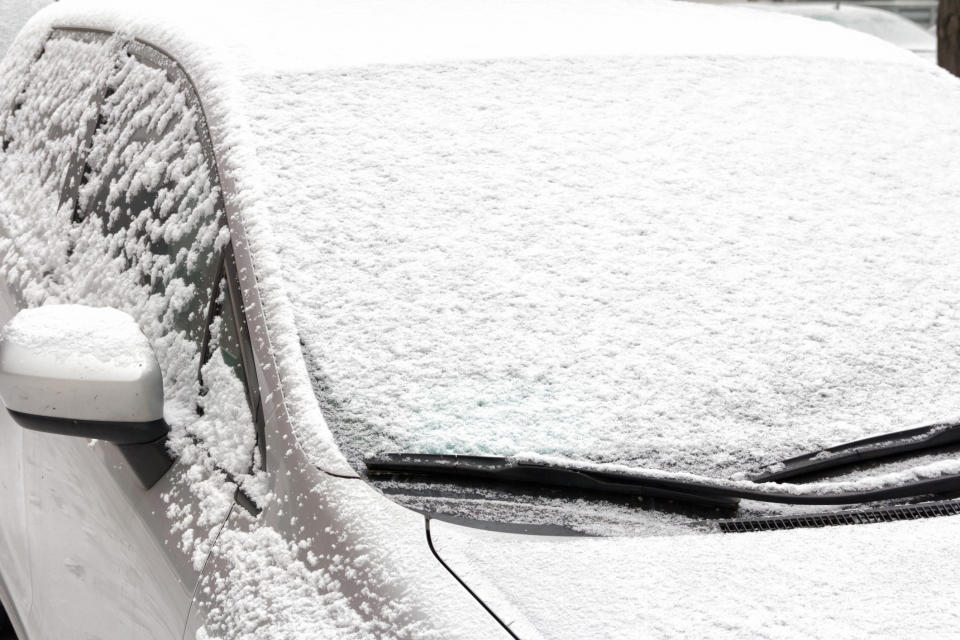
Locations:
column 881, row 23
column 13, row 15
column 698, row 264
column 696, row 182
column 141, row 236
column 891, row 580
column 82, row 337
column 253, row 39
column 251, row 55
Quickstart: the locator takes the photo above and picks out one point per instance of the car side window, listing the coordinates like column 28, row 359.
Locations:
column 150, row 198
column 229, row 395
column 44, row 123
column 124, row 209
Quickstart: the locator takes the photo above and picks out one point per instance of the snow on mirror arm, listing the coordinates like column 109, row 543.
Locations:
column 87, row 372
column 703, row 491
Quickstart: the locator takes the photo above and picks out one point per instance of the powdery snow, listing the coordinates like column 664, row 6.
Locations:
column 394, row 231
column 82, row 338
column 15, row 14
column 694, row 264
column 881, row 23
column 889, row 580
column 256, row 40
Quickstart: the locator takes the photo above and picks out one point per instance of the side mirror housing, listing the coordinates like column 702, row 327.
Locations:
column 87, row 372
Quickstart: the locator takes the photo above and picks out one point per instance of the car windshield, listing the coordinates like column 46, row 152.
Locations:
column 691, row 264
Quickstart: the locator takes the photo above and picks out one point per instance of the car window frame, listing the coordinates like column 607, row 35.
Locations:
column 233, row 295
column 224, row 257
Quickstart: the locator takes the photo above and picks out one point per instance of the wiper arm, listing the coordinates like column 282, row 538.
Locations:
column 891, row 444
column 509, row 470
column 637, row 483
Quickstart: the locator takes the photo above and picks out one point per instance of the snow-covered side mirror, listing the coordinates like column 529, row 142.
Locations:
column 87, row 372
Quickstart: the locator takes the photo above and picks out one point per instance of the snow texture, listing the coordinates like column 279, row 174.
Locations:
column 239, row 65
column 117, row 245
column 644, row 233
column 657, row 262
column 13, row 15
column 889, row 580
column 81, row 337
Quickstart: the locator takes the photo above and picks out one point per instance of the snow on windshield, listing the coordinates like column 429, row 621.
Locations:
column 687, row 263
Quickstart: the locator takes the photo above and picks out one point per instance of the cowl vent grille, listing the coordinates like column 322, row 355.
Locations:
column 859, row 516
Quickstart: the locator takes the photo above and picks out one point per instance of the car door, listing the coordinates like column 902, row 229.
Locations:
column 138, row 225
column 38, row 135
column 14, row 564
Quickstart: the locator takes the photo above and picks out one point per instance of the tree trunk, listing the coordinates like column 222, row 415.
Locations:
column 948, row 36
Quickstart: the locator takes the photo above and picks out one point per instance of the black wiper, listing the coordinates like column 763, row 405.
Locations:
column 932, row 436
column 636, row 483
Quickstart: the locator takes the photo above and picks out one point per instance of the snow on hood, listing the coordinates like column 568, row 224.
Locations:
column 891, row 580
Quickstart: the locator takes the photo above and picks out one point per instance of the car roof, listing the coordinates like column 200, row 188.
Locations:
column 284, row 35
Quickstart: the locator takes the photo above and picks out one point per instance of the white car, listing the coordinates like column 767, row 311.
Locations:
column 475, row 319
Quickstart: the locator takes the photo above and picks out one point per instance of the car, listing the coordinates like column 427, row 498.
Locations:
column 878, row 22
column 474, row 319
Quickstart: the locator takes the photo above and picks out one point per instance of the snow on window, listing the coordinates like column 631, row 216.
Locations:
column 51, row 108
column 694, row 264
column 112, row 200
column 223, row 402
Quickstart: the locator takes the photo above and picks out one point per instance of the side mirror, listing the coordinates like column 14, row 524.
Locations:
column 87, row 372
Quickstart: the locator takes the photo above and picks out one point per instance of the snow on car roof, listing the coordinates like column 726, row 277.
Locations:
column 333, row 33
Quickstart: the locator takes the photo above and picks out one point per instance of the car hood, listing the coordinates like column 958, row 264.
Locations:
column 893, row 579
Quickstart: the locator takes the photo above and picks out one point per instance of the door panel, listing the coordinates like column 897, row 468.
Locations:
column 14, row 565
column 41, row 129
column 99, row 550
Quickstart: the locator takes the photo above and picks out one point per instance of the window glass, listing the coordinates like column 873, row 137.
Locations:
column 51, row 111
column 121, row 207
column 223, row 400
column 149, row 214
column 149, row 203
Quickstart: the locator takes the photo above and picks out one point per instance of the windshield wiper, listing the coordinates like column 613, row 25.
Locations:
column 637, row 483
column 925, row 438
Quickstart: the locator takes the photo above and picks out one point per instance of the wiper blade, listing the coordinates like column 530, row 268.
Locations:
column 509, row 470
column 923, row 438
column 637, row 483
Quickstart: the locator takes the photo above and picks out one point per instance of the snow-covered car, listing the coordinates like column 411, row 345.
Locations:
column 881, row 23
column 475, row 319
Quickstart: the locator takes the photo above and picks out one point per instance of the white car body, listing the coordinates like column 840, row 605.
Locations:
column 264, row 527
